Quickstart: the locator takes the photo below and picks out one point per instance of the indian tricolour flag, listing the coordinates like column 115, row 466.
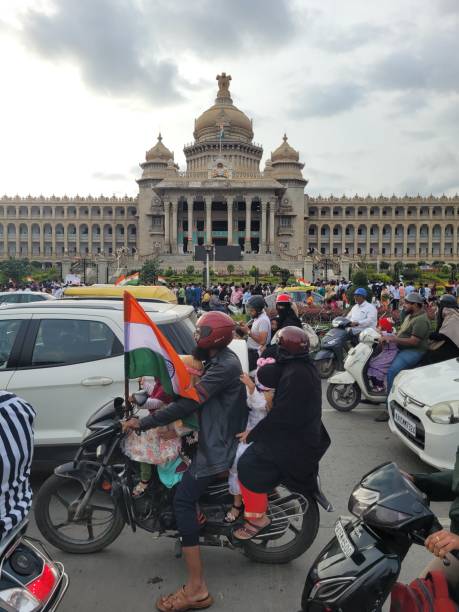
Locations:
column 132, row 279
column 301, row 281
column 161, row 280
column 148, row 353
column 120, row 280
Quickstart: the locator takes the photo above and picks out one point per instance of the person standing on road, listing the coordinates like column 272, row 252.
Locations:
column 412, row 340
column 362, row 314
column 259, row 331
column 16, row 452
column 223, row 414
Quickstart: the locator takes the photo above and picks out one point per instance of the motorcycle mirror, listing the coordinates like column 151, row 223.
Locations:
column 140, row 397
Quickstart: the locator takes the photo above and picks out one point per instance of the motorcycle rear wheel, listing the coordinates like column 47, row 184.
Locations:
column 305, row 535
column 326, row 367
column 55, row 496
column 343, row 403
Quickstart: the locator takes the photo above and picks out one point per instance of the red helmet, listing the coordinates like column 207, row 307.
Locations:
column 293, row 340
column 284, row 298
column 214, row 330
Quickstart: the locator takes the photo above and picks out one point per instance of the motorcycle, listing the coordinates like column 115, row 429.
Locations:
column 346, row 389
column 29, row 579
column 358, row 568
column 85, row 504
column 333, row 348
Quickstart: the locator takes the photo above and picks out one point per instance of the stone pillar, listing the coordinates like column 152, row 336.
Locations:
column 272, row 210
column 42, row 239
column 442, row 240
column 66, row 263
column 368, row 240
column 167, row 247
column 53, row 240
column 229, row 205
column 174, row 226
column 29, row 240
column 356, row 238
column 248, row 221
column 392, row 241
column 308, row 268
column 262, row 242
column 102, row 270
column 455, row 237
column 190, row 225
column 331, row 238
column 208, row 203
column 418, row 239
column 405, row 241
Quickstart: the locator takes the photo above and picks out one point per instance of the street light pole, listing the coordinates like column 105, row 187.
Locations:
column 208, row 248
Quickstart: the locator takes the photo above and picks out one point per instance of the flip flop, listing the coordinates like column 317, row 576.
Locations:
column 251, row 530
column 179, row 602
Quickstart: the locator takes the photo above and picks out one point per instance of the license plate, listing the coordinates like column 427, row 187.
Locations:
column 343, row 539
column 404, row 422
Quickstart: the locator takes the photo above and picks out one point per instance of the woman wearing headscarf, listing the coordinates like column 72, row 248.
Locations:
column 445, row 340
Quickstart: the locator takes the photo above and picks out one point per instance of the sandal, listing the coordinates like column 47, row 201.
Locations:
column 140, row 488
column 179, row 602
column 234, row 513
column 251, row 531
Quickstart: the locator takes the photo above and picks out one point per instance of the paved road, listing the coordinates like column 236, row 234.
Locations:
column 136, row 568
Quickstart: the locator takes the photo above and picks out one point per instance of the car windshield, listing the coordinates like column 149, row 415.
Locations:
column 180, row 335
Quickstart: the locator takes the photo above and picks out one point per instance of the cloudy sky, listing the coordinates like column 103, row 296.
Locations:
column 367, row 91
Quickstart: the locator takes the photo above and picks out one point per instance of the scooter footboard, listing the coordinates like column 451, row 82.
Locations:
column 355, row 571
column 342, row 378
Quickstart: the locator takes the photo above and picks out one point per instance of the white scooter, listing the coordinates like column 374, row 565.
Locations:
column 346, row 389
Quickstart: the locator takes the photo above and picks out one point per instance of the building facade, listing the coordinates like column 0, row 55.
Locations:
column 224, row 199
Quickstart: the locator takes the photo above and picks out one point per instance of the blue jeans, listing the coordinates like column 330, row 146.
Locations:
column 406, row 358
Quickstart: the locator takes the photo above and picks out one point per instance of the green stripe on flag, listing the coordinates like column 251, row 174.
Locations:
column 145, row 362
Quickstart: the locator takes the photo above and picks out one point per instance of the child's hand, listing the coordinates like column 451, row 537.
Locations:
column 242, row 437
column 247, row 381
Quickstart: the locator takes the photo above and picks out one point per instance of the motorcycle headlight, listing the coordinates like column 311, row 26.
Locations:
column 361, row 499
column 444, row 413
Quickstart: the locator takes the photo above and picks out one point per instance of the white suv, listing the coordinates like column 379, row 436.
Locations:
column 66, row 359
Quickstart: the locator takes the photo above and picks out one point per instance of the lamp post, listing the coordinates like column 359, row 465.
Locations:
column 208, row 248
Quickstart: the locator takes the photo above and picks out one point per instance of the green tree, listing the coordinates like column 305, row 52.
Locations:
column 230, row 268
column 189, row 269
column 149, row 271
column 275, row 270
column 285, row 275
column 15, row 269
column 384, row 265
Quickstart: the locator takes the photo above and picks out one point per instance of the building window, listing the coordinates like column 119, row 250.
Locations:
column 286, row 222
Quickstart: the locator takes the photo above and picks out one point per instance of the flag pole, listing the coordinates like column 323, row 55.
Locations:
column 127, row 403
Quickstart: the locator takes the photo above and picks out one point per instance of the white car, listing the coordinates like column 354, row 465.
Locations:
column 424, row 412
column 23, row 297
column 66, row 359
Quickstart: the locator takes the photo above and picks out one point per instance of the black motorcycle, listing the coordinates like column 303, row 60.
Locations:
column 358, row 568
column 29, row 579
column 84, row 505
column 334, row 348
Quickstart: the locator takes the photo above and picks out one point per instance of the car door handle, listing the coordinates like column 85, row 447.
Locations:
column 96, row 381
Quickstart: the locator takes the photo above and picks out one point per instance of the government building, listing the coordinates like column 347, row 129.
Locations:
column 224, row 206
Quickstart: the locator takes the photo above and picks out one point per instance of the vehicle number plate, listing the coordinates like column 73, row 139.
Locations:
column 343, row 539
column 404, row 422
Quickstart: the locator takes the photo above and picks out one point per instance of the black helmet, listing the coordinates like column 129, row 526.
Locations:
column 449, row 301
column 257, row 302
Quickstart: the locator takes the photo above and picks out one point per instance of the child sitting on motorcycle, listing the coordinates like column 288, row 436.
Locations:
column 161, row 445
column 380, row 364
column 259, row 401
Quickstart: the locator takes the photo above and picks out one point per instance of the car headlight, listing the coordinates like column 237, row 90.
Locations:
column 444, row 413
column 361, row 499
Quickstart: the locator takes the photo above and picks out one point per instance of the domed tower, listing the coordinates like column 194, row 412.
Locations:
column 158, row 165
column 223, row 133
column 286, row 168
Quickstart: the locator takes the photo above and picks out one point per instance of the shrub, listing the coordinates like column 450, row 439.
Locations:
column 275, row 270
column 149, row 271
column 189, row 270
column 230, row 268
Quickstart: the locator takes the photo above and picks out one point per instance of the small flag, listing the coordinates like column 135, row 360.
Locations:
column 302, row 282
column 120, row 280
column 148, row 353
column 132, row 279
column 161, row 280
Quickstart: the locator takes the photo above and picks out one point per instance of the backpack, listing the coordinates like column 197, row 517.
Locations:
column 428, row 594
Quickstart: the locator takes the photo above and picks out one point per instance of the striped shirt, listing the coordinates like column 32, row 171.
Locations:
column 16, row 451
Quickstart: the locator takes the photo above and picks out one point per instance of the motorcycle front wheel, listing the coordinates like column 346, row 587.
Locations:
column 343, row 397
column 326, row 367
column 55, row 506
column 295, row 522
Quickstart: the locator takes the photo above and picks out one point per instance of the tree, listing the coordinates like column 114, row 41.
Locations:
column 189, row 269
column 384, row 265
column 275, row 270
column 15, row 269
column 230, row 268
column 285, row 275
column 149, row 271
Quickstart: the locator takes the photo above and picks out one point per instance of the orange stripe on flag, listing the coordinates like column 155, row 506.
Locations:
column 134, row 313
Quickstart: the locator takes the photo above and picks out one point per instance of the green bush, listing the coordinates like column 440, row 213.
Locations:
column 189, row 270
column 149, row 271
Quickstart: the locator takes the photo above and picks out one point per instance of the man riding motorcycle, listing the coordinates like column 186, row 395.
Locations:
column 290, row 441
column 222, row 414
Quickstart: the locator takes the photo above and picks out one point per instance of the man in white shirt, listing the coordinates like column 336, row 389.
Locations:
column 362, row 314
column 259, row 333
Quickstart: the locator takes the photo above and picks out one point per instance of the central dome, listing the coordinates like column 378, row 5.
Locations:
column 223, row 120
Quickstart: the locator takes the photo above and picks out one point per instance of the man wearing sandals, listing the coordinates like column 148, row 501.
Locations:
column 290, row 441
column 223, row 413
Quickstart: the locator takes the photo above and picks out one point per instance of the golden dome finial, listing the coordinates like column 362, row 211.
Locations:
column 160, row 138
column 285, row 138
column 223, row 86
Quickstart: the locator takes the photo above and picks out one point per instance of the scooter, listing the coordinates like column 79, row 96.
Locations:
column 358, row 568
column 346, row 389
column 333, row 348
column 29, row 579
